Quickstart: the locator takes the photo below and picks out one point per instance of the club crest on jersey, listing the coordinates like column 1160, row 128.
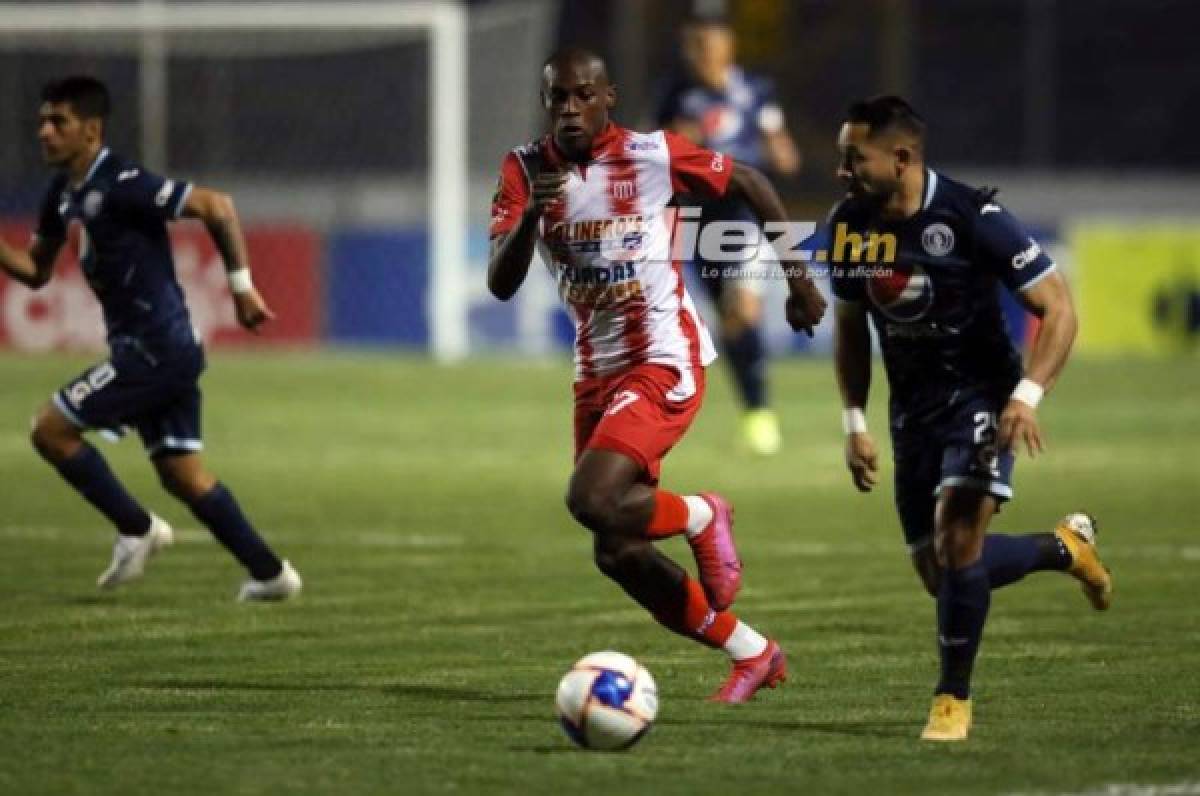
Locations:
column 1024, row 258
column 92, row 204
column 903, row 293
column 622, row 189
column 937, row 240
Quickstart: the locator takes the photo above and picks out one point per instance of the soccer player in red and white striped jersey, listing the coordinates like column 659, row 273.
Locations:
column 596, row 195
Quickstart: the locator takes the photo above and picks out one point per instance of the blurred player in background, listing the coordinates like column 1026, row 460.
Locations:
column 961, row 401
column 720, row 106
column 150, row 380
column 595, row 195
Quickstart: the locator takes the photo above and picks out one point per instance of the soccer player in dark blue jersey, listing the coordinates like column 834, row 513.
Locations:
column 150, row 380
column 724, row 108
column 961, row 401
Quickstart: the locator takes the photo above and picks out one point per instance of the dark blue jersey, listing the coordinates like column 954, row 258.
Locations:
column 126, row 253
column 936, row 309
column 732, row 121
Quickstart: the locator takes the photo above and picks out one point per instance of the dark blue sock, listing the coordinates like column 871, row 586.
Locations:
column 220, row 512
column 89, row 474
column 1010, row 558
column 748, row 359
column 962, row 606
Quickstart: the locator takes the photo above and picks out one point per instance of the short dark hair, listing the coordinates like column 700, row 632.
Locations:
column 572, row 54
column 887, row 112
column 87, row 96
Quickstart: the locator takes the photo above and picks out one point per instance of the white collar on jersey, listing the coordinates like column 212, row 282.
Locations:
column 100, row 156
column 930, row 188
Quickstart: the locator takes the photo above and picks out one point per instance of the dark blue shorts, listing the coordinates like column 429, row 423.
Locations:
column 156, row 394
column 956, row 447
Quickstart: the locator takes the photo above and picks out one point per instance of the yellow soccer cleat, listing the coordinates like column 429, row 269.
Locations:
column 760, row 432
column 1078, row 532
column 949, row 719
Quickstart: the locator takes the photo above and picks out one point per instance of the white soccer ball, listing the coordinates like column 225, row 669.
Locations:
column 607, row 701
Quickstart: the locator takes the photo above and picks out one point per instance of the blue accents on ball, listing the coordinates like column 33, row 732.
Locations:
column 612, row 689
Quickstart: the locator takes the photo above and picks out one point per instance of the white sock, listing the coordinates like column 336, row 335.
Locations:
column 128, row 542
column 745, row 642
column 700, row 514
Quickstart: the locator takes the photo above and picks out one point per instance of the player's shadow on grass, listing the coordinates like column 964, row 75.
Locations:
column 548, row 749
column 423, row 691
column 793, row 729
column 458, row 693
column 90, row 599
column 861, row 729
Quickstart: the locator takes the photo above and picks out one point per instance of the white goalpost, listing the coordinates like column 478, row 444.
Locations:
column 445, row 25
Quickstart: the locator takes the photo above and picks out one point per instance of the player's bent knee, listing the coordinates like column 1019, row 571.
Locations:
column 187, row 490
column 41, row 442
column 615, row 556
column 957, row 549
column 591, row 508
column 925, row 563
column 52, row 436
column 186, row 485
column 608, row 561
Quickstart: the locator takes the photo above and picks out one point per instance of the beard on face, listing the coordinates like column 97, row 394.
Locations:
column 877, row 195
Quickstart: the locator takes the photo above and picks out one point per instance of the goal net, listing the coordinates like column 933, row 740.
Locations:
column 360, row 141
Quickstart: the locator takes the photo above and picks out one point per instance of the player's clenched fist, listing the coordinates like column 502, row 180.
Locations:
column 547, row 188
column 862, row 459
column 805, row 308
column 252, row 311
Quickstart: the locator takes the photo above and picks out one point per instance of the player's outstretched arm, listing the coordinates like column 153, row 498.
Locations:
column 220, row 217
column 805, row 304
column 852, row 364
column 1050, row 300
column 34, row 267
column 512, row 251
column 782, row 152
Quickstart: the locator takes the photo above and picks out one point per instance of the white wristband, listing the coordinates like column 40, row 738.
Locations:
column 239, row 281
column 854, row 421
column 1029, row 393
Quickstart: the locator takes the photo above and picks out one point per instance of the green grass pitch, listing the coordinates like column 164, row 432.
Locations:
column 447, row 590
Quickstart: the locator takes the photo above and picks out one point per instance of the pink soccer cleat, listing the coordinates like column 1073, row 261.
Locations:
column 767, row 670
column 716, row 555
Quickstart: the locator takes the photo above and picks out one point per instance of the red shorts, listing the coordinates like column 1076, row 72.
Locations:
column 641, row 412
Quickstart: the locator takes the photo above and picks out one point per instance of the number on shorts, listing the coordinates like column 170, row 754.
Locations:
column 985, row 427
column 101, row 376
column 623, row 399
column 97, row 379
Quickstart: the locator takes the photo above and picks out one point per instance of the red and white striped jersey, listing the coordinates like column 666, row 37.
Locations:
column 608, row 246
